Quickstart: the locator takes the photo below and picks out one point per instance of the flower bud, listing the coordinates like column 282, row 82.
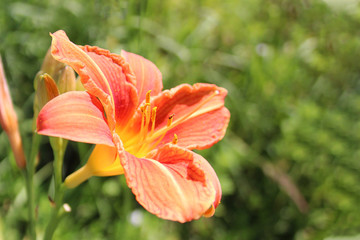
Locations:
column 51, row 66
column 8, row 120
column 46, row 89
column 54, row 78
column 67, row 80
column 79, row 85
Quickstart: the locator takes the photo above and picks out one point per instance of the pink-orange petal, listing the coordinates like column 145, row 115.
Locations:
column 76, row 116
column 212, row 177
column 202, row 131
column 121, row 81
column 171, row 184
column 148, row 76
column 93, row 79
column 199, row 116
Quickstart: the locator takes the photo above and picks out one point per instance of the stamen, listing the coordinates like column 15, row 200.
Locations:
column 153, row 117
column 175, row 140
column 148, row 96
column 170, row 119
column 147, row 113
column 142, row 109
column 145, row 119
column 143, row 142
column 136, row 139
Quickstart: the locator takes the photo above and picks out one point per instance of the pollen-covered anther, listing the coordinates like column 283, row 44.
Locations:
column 153, row 117
column 147, row 98
column 170, row 120
column 175, row 140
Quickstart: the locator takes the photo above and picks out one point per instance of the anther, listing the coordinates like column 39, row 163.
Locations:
column 148, row 96
column 153, row 117
column 170, row 119
column 175, row 140
column 153, row 114
column 145, row 118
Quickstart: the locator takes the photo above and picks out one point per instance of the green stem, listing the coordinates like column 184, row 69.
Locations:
column 59, row 146
column 55, row 216
column 58, row 164
column 30, row 171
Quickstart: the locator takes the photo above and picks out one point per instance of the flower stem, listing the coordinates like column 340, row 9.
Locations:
column 29, row 176
column 59, row 146
column 55, row 216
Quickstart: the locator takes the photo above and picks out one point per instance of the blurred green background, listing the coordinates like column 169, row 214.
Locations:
column 289, row 163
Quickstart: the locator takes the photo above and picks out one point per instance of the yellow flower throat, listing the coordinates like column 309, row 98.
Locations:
column 142, row 142
column 147, row 138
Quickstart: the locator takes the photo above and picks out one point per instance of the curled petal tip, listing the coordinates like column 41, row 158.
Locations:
column 170, row 185
column 210, row 212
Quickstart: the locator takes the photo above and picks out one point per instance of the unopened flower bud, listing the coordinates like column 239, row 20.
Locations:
column 67, row 80
column 54, row 78
column 79, row 85
column 51, row 66
column 8, row 120
column 45, row 91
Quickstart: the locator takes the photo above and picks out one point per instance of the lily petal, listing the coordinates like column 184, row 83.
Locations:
column 93, row 79
column 121, row 80
column 76, row 116
column 202, row 131
column 170, row 183
column 210, row 173
column 199, row 116
column 148, row 76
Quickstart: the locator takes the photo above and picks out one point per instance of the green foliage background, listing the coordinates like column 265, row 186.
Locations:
column 289, row 164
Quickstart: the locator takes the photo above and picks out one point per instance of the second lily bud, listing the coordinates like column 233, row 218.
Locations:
column 53, row 79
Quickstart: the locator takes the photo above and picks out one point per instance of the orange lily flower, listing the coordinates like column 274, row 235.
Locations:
column 141, row 131
column 8, row 120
